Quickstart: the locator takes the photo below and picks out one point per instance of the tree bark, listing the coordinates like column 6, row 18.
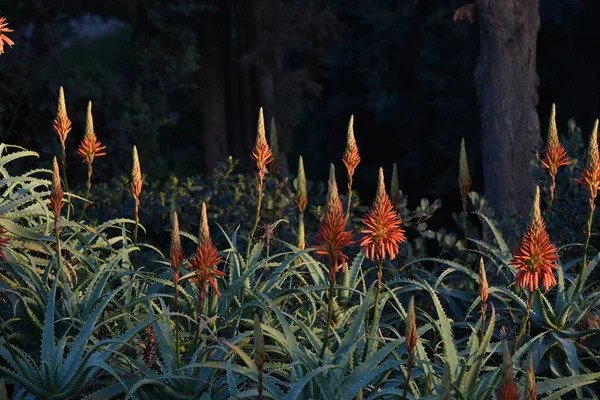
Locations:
column 213, row 38
column 507, row 85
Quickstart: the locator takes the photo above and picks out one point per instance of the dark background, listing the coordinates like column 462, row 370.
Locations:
column 183, row 80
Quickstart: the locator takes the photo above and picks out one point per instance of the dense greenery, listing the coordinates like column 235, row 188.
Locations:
column 89, row 308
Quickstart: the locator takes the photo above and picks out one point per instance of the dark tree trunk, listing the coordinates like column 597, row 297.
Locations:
column 213, row 39
column 507, row 85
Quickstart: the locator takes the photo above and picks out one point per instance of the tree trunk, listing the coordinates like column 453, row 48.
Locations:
column 213, row 40
column 507, row 85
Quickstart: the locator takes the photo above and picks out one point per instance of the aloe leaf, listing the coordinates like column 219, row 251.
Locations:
column 231, row 382
column 297, row 388
column 353, row 382
column 572, row 358
column 47, row 349
column 349, row 341
column 570, row 382
column 497, row 235
column 443, row 325
column 475, row 368
column 253, row 375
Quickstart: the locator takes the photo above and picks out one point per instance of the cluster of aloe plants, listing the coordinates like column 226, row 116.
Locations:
column 90, row 311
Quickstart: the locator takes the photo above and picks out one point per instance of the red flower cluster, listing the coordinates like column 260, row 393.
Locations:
column 383, row 233
column 261, row 153
column 555, row 155
column 333, row 236
column 536, row 257
column 90, row 147
column 205, row 260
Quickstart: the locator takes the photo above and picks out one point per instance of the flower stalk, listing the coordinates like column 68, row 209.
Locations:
column 263, row 156
column 483, row 295
column 535, row 260
column 136, row 189
column 301, row 202
column 411, row 342
column 332, row 238
column 351, row 159
column 590, row 179
column 176, row 257
column 62, row 126
column 56, row 204
column 382, row 238
column 89, row 149
column 508, row 388
column 554, row 156
column 464, row 178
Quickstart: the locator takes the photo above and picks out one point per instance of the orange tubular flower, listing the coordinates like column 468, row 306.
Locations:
column 383, row 234
column 62, row 123
column 464, row 177
column 555, row 155
column 536, row 258
column 90, row 147
column 205, row 260
column 509, row 390
column 333, row 236
column 261, row 153
column 590, row 177
column 3, row 38
column 176, row 254
column 351, row 158
column 136, row 178
column 57, row 193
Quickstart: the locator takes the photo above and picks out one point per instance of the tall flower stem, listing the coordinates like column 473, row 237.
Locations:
column 257, row 218
column 345, row 293
column 89, row 190
column 375, row 311
column 349, row 206
column 64, row 176
column 524, row 322
column 586, row 245
column 329, row 309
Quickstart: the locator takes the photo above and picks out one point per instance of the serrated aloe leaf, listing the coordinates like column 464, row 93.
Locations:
column 475, row 368
column 70, row 365
column 297, row 388
column 349, row 341
column 48, row 349
column 349, row 388
column 572, row 358
column 497, row 235
column 450, row 352
column 570, row 382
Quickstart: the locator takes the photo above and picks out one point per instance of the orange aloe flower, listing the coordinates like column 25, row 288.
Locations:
column 351, row 158
column 175, row 254
column 509, row 390
column 3, row 38
column 555, row 155
column 590, row 176
column 205, row 260
column 536, row 258
column 62, row 123
column 57, row 193
column 383, row 234
column 464, row 177
column 301, row 198
column 90, row 147
column 333, row 236
column 261, row 153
